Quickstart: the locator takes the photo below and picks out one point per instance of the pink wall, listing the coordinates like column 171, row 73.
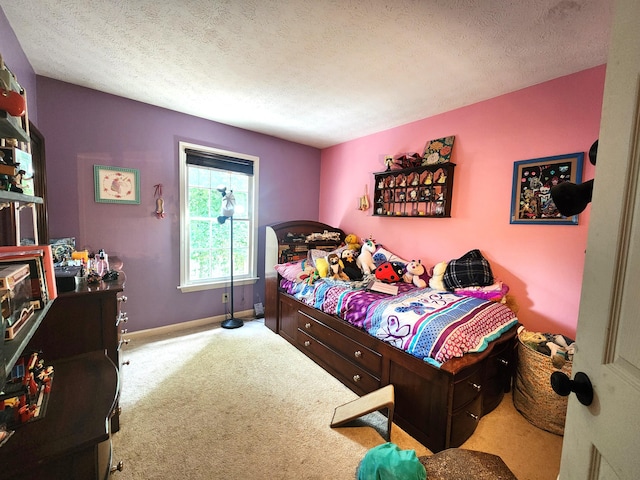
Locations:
column 542, row 264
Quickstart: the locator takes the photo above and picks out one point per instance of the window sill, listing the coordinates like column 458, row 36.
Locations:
column 214, row 285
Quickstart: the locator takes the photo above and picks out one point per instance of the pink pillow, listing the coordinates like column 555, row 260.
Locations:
column 290, row 270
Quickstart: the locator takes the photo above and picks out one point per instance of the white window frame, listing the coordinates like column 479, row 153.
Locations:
column 187, row 285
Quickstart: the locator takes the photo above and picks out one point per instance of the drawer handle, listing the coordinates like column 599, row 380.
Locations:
column 117, row 468
column 307, row 343
column 358, row 353
column 474, row 416
column 475, row 386
column 126, row 362
column 122, row 298
column 307, row 325
column 356, row 378
column 504, row 362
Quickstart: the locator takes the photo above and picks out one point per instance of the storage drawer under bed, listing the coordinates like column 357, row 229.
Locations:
column 345, row 346
column 351, row 374
column 464, row 422
column 467, row 386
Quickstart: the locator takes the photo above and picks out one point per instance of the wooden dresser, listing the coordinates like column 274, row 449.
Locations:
column 80, row 335
column 88, row 319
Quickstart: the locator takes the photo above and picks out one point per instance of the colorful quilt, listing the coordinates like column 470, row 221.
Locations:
column 432, row 325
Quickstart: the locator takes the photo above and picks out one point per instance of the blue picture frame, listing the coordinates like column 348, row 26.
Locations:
column 531, row 201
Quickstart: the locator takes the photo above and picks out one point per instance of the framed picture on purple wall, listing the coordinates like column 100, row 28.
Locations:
column 116, row 184
column 531, row 201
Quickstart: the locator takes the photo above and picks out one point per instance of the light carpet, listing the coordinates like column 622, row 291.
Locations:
column 245, row 404
column 241, row 404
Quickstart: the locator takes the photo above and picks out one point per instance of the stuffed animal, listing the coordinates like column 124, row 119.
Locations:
column 412, row 273
column 335, row 268
column 350, row 267
column 389, row 272
column 352, row 242
column 437, row 279
column 306, row 275
column 365, row 259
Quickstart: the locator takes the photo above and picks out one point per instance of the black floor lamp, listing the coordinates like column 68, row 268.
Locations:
column 228, row 206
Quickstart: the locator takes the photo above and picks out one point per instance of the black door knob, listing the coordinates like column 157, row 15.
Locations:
column 580, row 385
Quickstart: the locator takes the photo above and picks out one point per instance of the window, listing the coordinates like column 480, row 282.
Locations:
column 205, row 243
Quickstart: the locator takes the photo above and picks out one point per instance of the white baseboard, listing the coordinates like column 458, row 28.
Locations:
column 177, row 328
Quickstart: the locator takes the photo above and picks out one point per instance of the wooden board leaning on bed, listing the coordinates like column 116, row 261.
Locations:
column 440, row 407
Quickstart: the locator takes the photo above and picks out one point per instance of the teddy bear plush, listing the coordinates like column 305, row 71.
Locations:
column 352, row 242
column 412, row 273
column 335, row 268
column 437, row 278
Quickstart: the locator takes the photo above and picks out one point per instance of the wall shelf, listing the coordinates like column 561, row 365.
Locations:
column 423, row 191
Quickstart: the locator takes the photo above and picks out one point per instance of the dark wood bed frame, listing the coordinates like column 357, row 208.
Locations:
column 440, row 407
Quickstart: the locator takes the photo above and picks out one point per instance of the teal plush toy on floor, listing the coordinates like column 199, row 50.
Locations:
column 388, row 462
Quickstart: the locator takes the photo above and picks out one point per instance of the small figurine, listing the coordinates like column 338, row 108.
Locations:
column 16, row 182
column 388, row 161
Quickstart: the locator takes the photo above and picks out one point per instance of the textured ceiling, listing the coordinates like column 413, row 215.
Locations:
column 317, row 72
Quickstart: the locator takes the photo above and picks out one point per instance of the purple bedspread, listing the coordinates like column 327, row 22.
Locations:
column 432, row 325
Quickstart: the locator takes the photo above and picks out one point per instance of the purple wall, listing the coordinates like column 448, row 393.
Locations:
column 16, row 60
column 83, row 127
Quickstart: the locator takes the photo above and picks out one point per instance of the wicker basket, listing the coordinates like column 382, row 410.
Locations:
column 533, row 396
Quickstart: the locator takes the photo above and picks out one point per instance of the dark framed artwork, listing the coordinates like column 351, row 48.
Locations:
column 531, row 201
column 116, row 184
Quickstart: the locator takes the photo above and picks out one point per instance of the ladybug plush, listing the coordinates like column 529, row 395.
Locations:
column 389, row 272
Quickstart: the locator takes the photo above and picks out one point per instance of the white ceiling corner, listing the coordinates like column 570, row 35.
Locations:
column 317, row 72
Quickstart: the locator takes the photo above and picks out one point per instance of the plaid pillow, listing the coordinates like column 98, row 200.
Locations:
column 471, row 269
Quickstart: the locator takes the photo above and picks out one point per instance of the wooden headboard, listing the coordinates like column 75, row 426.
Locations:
column 286, row 237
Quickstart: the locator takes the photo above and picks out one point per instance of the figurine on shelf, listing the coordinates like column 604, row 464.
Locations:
column 440, row 204
column 16, row 182
column 440, row 176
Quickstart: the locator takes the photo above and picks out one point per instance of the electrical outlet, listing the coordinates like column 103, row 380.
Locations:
column 225, row 298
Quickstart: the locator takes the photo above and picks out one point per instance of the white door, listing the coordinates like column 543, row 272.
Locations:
column 602, row 441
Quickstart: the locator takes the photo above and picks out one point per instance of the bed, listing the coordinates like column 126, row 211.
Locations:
column 450, row 357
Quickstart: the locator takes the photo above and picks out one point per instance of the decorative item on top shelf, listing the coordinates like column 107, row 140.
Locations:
column 408, row 160
column 14, row 120
column 422, row 191
column 438, row 150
